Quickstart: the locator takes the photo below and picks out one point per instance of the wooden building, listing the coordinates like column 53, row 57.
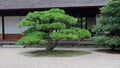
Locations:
column 13, row 11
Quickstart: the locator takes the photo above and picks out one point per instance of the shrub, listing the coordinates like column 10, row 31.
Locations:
column 110, row 22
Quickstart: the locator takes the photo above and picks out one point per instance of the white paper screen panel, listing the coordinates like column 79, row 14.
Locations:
column 0, row 25
column 11, row 25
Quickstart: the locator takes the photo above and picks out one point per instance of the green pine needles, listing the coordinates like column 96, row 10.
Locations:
column 46, row 26
column 108, row 32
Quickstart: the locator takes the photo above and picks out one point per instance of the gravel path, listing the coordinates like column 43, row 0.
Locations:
column 12, row 58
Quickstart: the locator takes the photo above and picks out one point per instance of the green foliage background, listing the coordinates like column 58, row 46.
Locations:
column 108, row 32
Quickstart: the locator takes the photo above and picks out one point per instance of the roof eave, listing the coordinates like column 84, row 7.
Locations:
column 51, row 7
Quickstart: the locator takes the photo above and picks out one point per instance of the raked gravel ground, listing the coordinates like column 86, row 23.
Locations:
column 12, row 58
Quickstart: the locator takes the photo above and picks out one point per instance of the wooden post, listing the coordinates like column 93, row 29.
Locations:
column 86, row 23
column 79, row 19
column 79, row 25
column 3, row 28
column 81, row 22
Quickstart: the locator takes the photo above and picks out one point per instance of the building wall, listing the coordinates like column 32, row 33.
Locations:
column 90, row 22
column 14, row 32
column 11, row 29
column 10, row 25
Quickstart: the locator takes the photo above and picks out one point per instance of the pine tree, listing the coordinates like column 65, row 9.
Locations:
column 108, row 32
column 50, row 26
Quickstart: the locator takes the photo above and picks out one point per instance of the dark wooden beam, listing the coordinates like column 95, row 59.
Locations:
column 83, row 11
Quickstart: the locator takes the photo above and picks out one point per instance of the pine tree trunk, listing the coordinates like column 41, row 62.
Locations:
column 55, row 44
column 51, row 46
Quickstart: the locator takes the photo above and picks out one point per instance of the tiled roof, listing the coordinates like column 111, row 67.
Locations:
column 22, row 4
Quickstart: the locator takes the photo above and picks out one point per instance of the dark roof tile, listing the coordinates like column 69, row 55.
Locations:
column 21, row 4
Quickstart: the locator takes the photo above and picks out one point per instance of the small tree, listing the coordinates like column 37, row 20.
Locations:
column 108, row 33
column 46, row 26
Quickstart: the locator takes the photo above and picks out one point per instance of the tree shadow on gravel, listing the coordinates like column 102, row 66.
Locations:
column 55, row 53
column 116, row 51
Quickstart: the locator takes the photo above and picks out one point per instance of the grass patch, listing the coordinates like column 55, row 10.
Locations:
column 56, row 53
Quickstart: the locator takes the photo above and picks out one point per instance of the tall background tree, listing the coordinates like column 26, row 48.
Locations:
column 108, row 32
column 49, row 27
